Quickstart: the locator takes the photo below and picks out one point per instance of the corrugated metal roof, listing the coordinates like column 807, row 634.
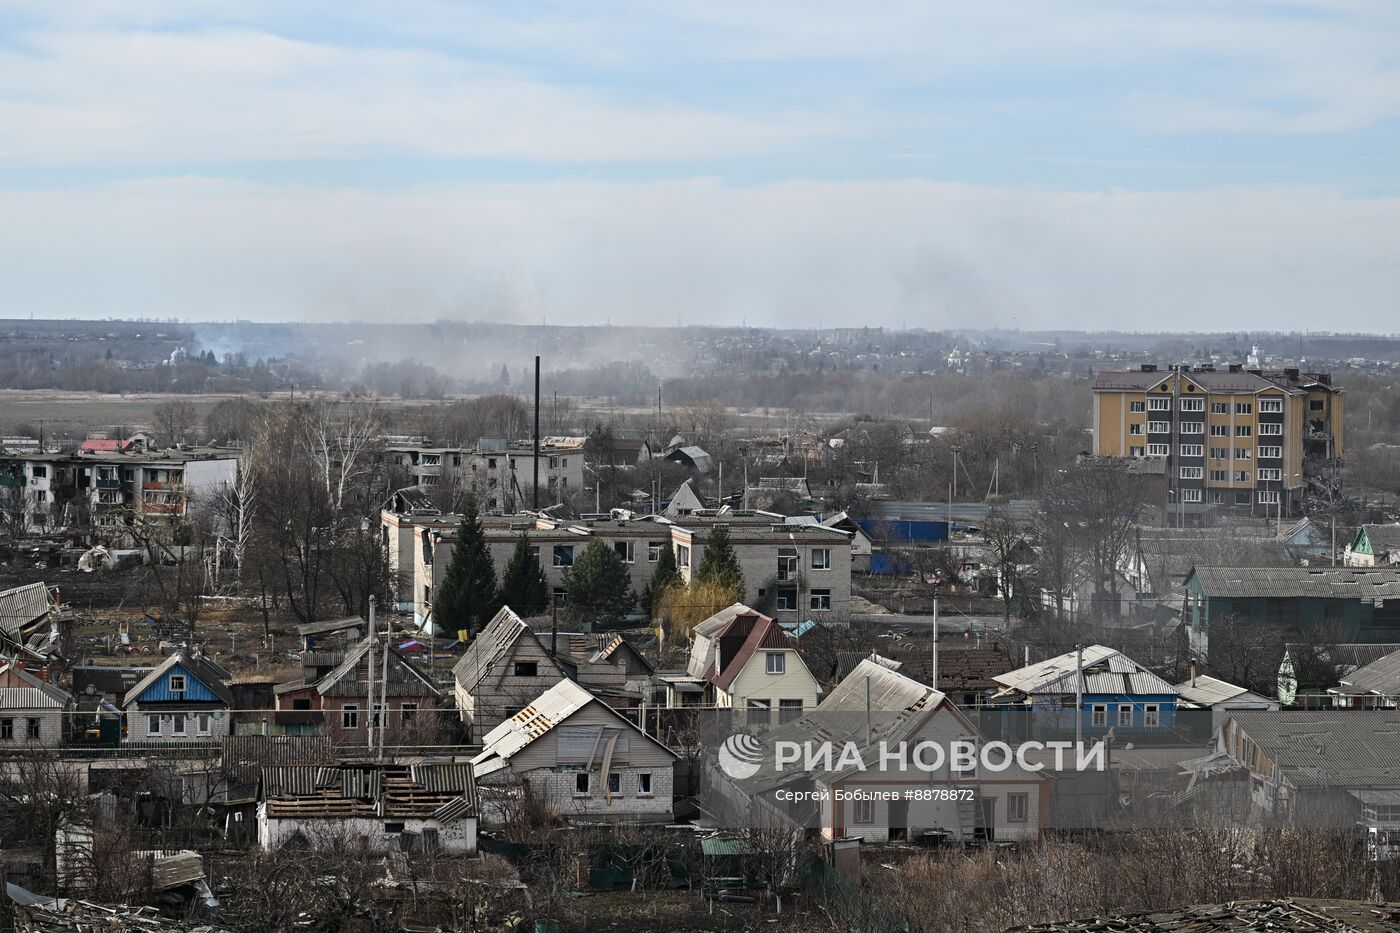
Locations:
column 545, row 712
column 1379, row 677
column 22, row 698
column 1324, row 748
column 60, row 698
column 1208, row 691
column 21, row 606
column 1293, row 582
column 1105, row 671
column 244, row 756
column 890, row 691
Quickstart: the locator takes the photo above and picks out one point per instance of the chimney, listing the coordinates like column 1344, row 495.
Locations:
column 1193, row 672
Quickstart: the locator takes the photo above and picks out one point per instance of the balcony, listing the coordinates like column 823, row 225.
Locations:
column 111, row 483
column 152, row 484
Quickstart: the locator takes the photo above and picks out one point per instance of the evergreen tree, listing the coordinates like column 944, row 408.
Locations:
column 719, row 563
column 468, row 597
column 663, row 578
column 522, row 585
column 600, row 588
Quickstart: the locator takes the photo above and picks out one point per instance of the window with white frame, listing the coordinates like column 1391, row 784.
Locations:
column 821, row 558
column 1219, row 408
column 1159, row 404
column 1219, row 476
column 1191, row 472
column 177, row 683
column 350, row 716
column 1098, row 714
column 1190, row 495
column 1272, row 429
column 821, row 600
column 1220, row 430
column 1192, row 404
column 1271, row 406
column 1244, row 408
column 1241, row 476
column 203, row 723
column 1267, row 453
column 1192, row 450
column 1158, row 450
column 863, row 811
column 1268, row 497
column 654, row 550
column 682, row 556
column 1151, row 715
column 775, row 662
column 644, row 784
column 153, row 724
column 1244, row 430
column 1137, row 406
column 627, row 550
column 1136, row 451
column 1193, row 427
column 1136, row 428
column 1244, row 453
column 177, row 724
column 1219, row 453
column 1159, row 427
column 1125, row 714
column 1269, row 474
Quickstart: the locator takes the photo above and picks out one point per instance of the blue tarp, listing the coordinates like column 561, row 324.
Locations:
column 903, row 531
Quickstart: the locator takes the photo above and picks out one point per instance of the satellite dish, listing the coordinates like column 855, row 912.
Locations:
column 90, row 690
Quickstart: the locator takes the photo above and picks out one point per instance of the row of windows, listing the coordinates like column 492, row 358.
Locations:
column 583, row 784
column 1216, row 453
column 350, row 713
column 1151, row 713
column 33, row 729
column 1198, row 427
column 178, row 723
column 1266, row 406
column 1263, row 496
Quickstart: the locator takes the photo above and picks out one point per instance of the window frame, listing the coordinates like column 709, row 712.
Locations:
column 1018, row 803
column 1125, row 720
column 1098, row 715
column 820, row 559
column 183, row 681
column 645, row 787
column 350, row 716
column 819, row 600
column 769, row 665
column 1151, row 715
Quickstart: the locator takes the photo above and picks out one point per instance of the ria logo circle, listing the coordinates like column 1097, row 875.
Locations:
column 740, row 756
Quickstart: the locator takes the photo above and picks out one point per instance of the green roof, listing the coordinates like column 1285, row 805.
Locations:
column 724, row 845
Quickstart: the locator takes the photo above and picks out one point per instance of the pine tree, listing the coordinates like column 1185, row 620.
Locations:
column 663, row 578
column 522, row 585
column 600, row 588
column 468, row 597
column 719, row 563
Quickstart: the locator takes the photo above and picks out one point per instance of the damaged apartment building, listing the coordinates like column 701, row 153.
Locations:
column 501, row 474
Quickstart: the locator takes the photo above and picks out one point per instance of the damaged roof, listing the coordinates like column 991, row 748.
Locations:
column 22, row 606
column 440, row 790
column 1293, row 915
column 1104, row 670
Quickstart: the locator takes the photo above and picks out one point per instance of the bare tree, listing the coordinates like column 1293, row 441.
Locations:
column 174, row 420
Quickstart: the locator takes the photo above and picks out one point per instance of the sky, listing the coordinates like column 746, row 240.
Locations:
column 1124, row 164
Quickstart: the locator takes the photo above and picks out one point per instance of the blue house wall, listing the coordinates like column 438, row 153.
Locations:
column 195, row 689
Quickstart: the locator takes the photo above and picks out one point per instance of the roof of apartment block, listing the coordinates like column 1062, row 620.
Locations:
column 1242, row 381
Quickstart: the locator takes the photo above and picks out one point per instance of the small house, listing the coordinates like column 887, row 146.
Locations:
column 187, row 698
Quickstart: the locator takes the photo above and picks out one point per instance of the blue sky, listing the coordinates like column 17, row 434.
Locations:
column 1079, row 163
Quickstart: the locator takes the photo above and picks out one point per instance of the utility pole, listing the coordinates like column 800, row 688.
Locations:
column 373, row 639
column 535, row 490
column 933, row 676
column 1078, row 697
column 383, row 697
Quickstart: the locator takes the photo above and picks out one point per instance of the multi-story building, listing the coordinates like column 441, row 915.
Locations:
column 501, row 475
column 1240, row 440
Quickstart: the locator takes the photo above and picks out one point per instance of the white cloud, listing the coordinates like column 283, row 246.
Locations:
column 792, row 253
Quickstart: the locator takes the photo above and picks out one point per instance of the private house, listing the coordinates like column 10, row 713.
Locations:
column 1156, row 562
column 1372, row 686
column 33, row 712
column 503, row 668
column 1117, row 693
column 878, row 708
column 1333, row 769
column 1200, row 692
column 578, row 757
column 745, row 661
column 965, row 674
column 1324, row 604
column 29, row 623
column 424, row 807
column 185, row 699
column 336, row 702
column 692, row 458
column 684, row 501
column 1374, row 546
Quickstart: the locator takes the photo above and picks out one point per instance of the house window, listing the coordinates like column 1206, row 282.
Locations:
column 787, row 563
column 561, row 595
column 1125, row 714
column 1193, row 427
column 682, row 556
column 1192, row 450
column 614, row 782
column 821, row 558
column 1268, row 497
column 785, row 599
column 527, row 669
column 644, row 784
column 1219, row 408
column 1098, row 715
column 821, row 600
column 1136, row 406
column 350, row 716
column 177, row 724
column 153, row 725
column 177, row 683
column 1271, row 453
column 32, row 728
column 1241, row 476
column 1190, row 472
column 563, row 555
column 1192, row 404
column 1159, row 404
column 1244, row 453
column 971, row 770
column 788, row 710
column 654, row 550
column 1315, row 404
column 1135, row 428
column 1159, row 427
column 1190, row 495
column 627, row 550
column 864, row 811
column 1220, row 430
column 408, row 712
column 203, row 723
column 760, row 710
column 1269, row 474
column 1244, row 408
column 1244, row 430
column 377, row 715
column 1270, row 405
column 1151, row 715
column 7, row 729
column 1158, row 450
column 583, row 784
column 1271, row 429
column 1135, row 451
column 1017, row 808
column 775, row 662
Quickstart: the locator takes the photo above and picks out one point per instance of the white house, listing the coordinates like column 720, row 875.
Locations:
column 579, row 757
column 32, row 710
column 746, row 661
